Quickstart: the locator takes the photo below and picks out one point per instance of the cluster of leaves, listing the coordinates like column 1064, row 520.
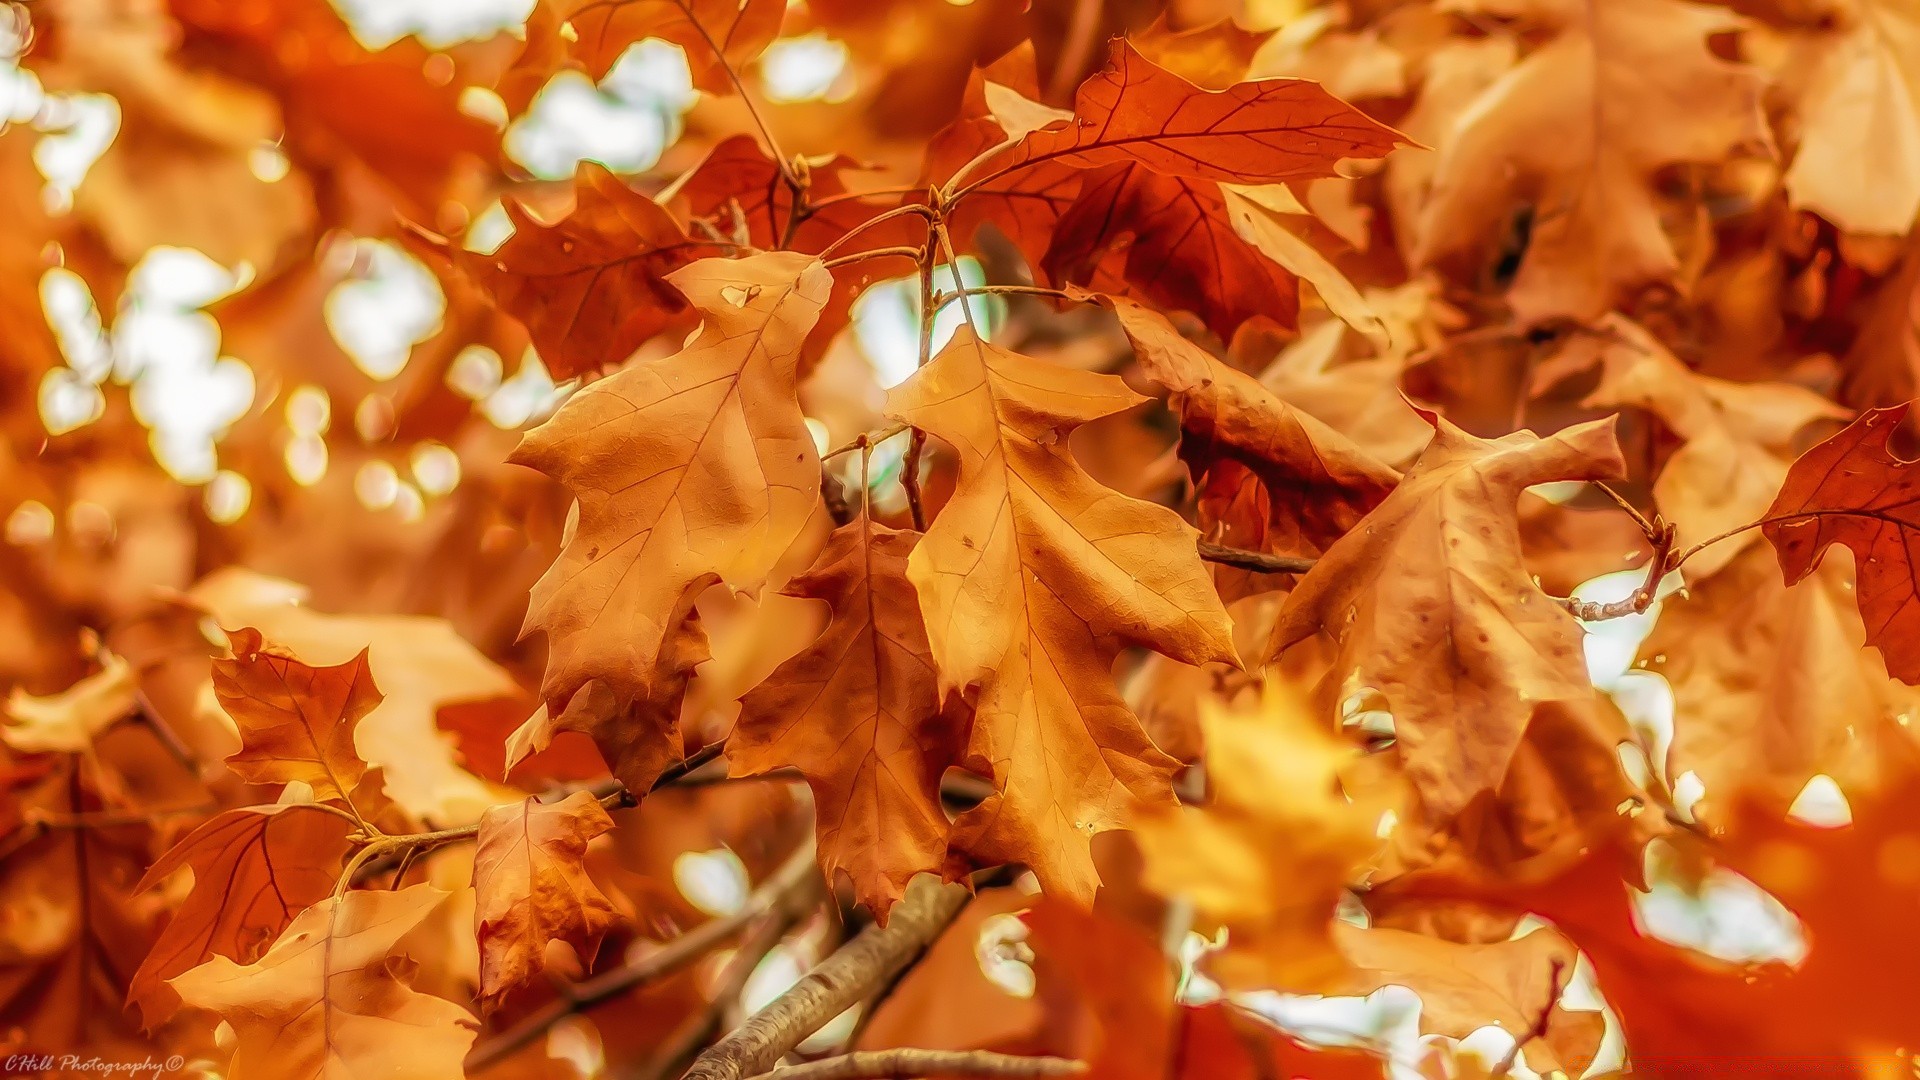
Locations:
column 1210, row 597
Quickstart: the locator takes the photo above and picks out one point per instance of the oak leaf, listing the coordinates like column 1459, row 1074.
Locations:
column 296, row 721
column 67, row 722
column 1270, row 853
column 1859, row 108
column 329, row 1000
column 715, row 34
column 1031, row 578
column 1771, row 683
column 1736, row 437
column 532, row 888
column 591, row 287
column 254, row 868
column 1853, row 489
column 1573, row 137
column 858, row 712
column 1317, row 484
column 1265, row 131
column 687, row 470
column 1170, row 241
column 419, row 663
column 1430, row 607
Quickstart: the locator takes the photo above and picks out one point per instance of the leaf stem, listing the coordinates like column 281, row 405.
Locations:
column 794, row 183
column 876, row 253
column 906, row 210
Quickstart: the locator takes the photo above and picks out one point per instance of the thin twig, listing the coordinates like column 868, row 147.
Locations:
column 950, row 296
column 1257, row 561
column 906, row 1062
column 796, row 874
column 864, row 440
column 876, row 253
column 905, row 210
column 917, row 442
column 835, row 984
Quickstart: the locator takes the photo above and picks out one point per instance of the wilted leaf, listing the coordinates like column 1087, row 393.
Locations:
column 296, row 722
column 1431, row 608
column 329, row 999
column 690, row 469
column 1030, row 579
column 858, row 712
column 254, row 869
column 1855, row 490
column 533, row 888
column 1570, row 139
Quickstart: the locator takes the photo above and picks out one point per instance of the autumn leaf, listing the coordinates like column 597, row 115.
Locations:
column 1737, row 437
column 1860, row 103
column 1169, row 241
column 1572, row 138
column 328, row 999
column 690, row 469
column 533, row 888
column 1261, row 132
column 591, row 287
column 1430, row 606
column 296, row 722
column 738, row 186
column 419, row 663
column 1024, row 204
column 1318, row 485
column 715, row 34
column 1029, row 579
column 1853, row 489
column 858, row 712
column 254, row 869
column 1772, row 685
column 1276, row 843
column 69, row 721
column 1514, row 985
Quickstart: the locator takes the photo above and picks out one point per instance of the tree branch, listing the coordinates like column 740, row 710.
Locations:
column 837, row 983
column 889, row 1064
column 792, row 878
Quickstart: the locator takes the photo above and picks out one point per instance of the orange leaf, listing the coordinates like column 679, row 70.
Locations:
column 1270, row 854
column 858, row 713
column 1430, row 606
column 533, row 889
column 1170, row 241
column 296, row 722
column 690, row 469
column 1576, row 135
column 1853, row 489
column 591, row 287
column 1261, row 132
column 1316, row 480
column 713, row 33
column 254, row 868
column 328, row 1000
column 1030, row 580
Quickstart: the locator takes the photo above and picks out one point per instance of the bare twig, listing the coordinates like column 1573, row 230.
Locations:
column 876, row 253
column 1257, row 561
column 888, row 1064
column 795, row 876
column 1643, row 597
column 838, row 982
